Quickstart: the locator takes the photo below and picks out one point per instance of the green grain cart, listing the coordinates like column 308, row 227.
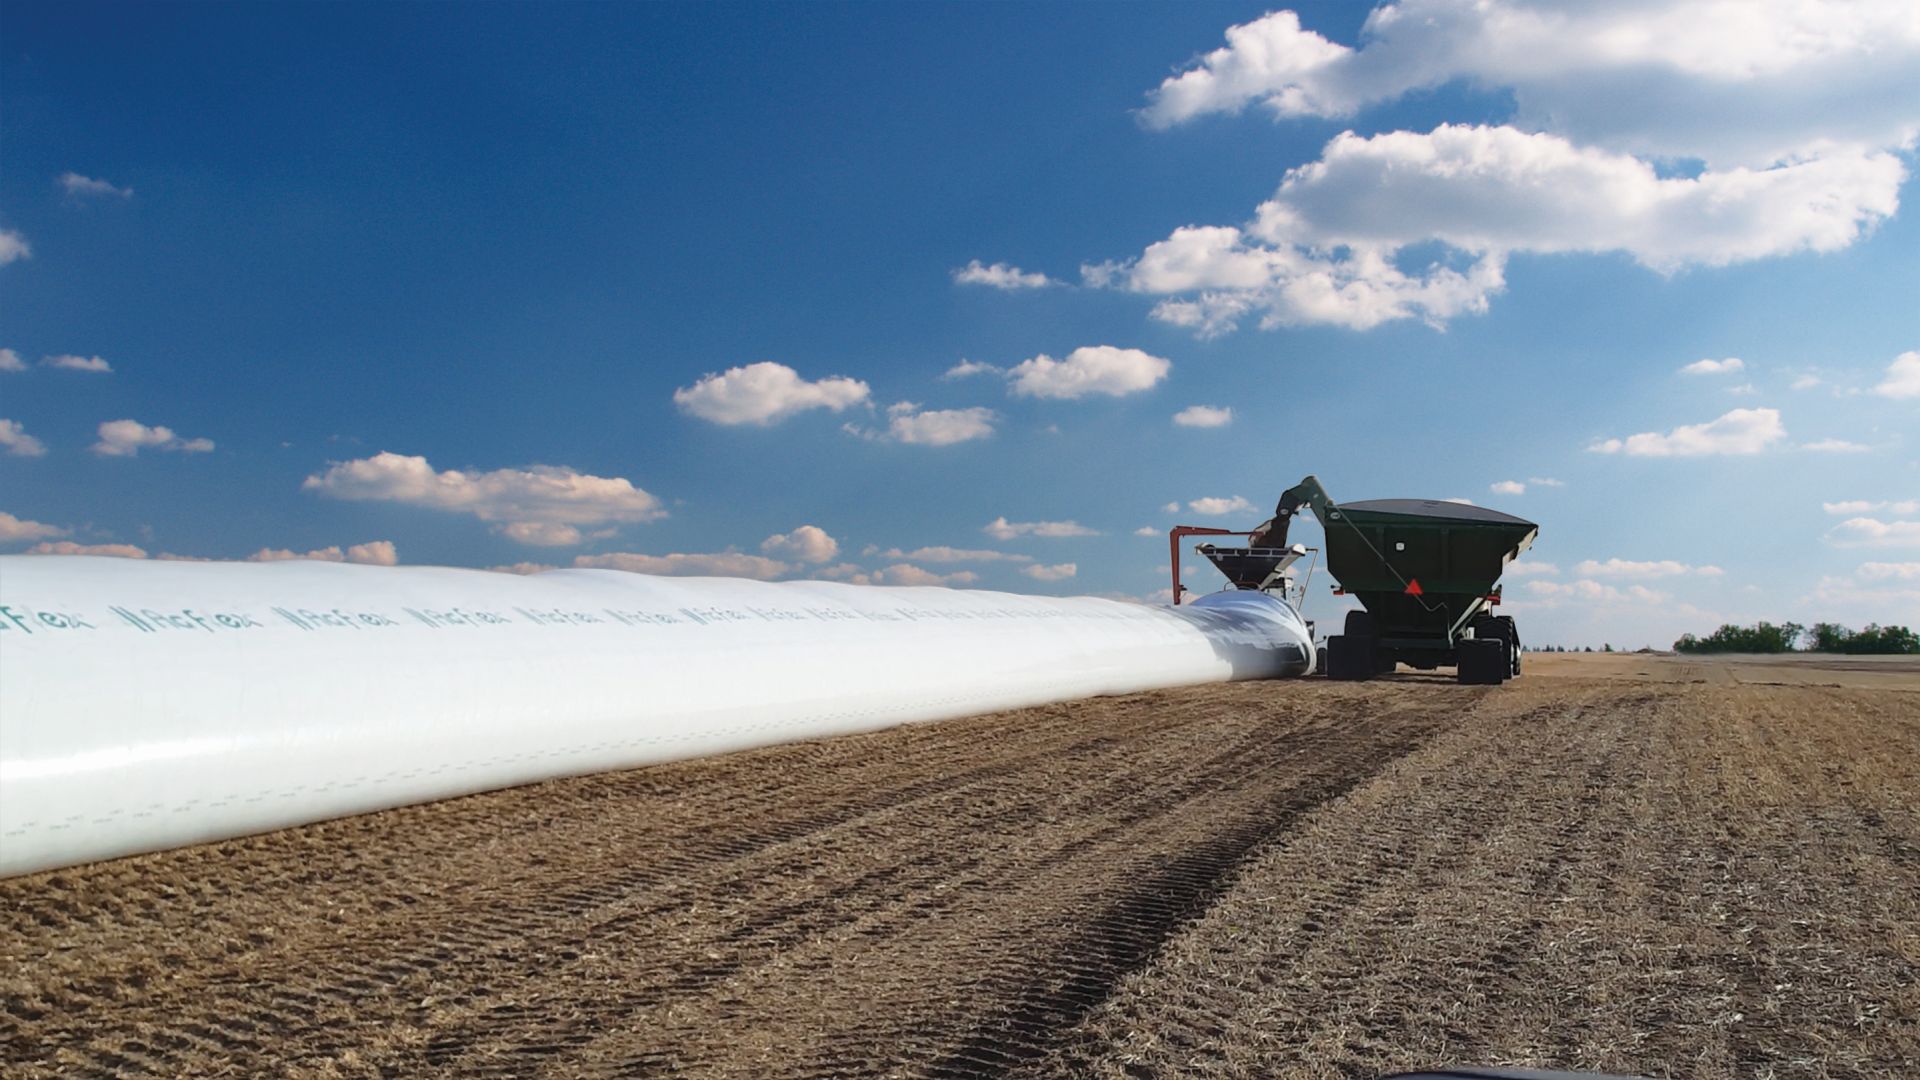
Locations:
column 1427, row 573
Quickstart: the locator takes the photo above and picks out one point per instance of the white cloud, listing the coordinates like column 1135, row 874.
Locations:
column 907, row 574
column 13, row 436
column 1529, row 568
column 68, row 547
column 1805, row 382
column 1546, row 481
column 1056, row 572
column 965, row 368
column 71, row 362
column 1594, row 592
column 13, row 247
column 1216, row 506
column 907, row 423
column 1203, row 416
column 1819, row 92
column 765, row 392
column 1002, row 529
column 1171, row 508
column 371, row 553
column 14, row 529
column 1889, row 571
column 1657, row 569
column 714, row 564
column 1091, row 369
column 1903, row 377
column 77, row 186
column 808, row 543
column 1899, row 507
column 1000, row 276
column 1508, row 487
column 1835, row 446
column 1148, row 530
column 126, row 438
column 1742, row 431
column 1715, row 367
column 540, row 533
column 942, row 554
column 10, row 361
column 523, row 568
column 1872, row 532
column 540, row 504
column 1742, row 81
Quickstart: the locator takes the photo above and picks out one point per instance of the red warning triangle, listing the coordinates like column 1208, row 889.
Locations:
column 1414, row 589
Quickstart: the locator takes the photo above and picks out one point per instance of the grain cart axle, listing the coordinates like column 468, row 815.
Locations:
column 1426, row 573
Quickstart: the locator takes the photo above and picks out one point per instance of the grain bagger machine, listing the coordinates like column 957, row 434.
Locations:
column 1425, row 572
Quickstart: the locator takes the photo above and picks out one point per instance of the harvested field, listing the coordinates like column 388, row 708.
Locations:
column 1678, row 867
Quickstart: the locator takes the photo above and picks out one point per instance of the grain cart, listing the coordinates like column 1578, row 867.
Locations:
column 1426, row 572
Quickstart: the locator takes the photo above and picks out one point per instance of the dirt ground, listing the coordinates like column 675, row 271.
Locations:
column 1674, row 867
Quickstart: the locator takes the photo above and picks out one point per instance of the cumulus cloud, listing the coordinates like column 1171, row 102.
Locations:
column 1056, row 572
column 1148, row 530
column 77, row 186
column 1091, row 369
column 13, row 247
column 965, row 368
column 1002, row 529
column 540, row 504
column 1203, row 416
column 1508, row 487
column 1215, row 506
column 15, row 529
column 713, row 564
column 908, row 423
column 1530, row 568
column 68, row 547
column 907, row 574
column 1656, row 569
column 126, row 438
column 1903, row 377
column 1714, row 367
column 1731, row 81
column 70, row 362
column 1799, row 112
column 1593, row 592
column 523, row 568
column 1546, row 481
column 1000, row 276
column 10, row 361
column 1872, row 532
column 1888, row 571
column 808, row 543
column 1742, row 431
column 943, row 554
column 14, row 437
column 541, row 533
column 1896, row 507
column 371, row 553
column 1835, row 446
column 765, row 392
column 1327, row 247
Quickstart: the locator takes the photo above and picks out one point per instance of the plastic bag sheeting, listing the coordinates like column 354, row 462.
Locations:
column 145, row 705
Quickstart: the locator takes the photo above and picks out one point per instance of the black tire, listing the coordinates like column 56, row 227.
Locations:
column 1350, row 658
column 1320, row 660
column 1511, row 631
column 1501, row 627
column 1483, row 662
column 1360, row 624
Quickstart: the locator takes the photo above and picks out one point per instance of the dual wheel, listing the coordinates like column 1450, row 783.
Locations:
column 1492, row 655
column 1356, row 654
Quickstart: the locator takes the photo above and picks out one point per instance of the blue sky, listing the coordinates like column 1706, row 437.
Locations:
column 468, row 285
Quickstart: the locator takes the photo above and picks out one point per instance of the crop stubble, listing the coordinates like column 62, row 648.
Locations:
column 1637, row 864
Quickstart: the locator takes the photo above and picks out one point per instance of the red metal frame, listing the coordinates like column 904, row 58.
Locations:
column 1173, row 547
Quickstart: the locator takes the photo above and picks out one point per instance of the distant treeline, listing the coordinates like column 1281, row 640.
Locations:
column 1766, row 637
